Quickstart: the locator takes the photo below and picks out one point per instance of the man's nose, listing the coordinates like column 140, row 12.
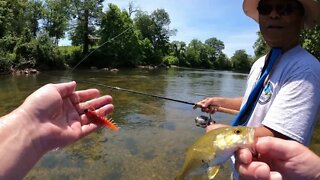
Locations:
column 274, row 13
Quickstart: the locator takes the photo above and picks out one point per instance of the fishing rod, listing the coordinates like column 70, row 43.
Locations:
column 195, row 105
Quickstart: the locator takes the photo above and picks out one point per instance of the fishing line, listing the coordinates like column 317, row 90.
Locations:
column 98, row 48
column 138, row 92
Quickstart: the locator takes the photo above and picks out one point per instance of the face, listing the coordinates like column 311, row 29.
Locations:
column 280, row 23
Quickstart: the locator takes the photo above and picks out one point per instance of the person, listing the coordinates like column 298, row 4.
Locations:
column 51, row 117
column 289, row 104
column 278, row 159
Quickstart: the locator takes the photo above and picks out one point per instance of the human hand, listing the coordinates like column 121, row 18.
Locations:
column 208, row 105
column 54, row 114
column 278, row 160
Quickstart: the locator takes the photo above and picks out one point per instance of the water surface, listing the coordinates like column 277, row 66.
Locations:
column 154, row 132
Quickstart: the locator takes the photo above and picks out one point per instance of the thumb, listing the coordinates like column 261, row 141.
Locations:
column 278, row 148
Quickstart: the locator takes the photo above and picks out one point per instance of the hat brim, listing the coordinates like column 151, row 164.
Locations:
column 311, row 7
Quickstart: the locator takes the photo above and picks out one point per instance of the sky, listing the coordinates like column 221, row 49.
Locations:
column 202, row 19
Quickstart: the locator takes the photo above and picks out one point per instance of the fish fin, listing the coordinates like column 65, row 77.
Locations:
column 213, row 171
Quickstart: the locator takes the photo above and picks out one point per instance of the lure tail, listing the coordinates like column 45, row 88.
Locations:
column 93, row 116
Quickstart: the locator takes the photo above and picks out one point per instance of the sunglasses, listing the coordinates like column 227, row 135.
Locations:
column 281, row 9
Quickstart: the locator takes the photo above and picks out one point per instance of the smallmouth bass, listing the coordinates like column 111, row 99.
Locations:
column 214, row 148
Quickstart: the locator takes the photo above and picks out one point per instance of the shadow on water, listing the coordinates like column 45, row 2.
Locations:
column 154, row 133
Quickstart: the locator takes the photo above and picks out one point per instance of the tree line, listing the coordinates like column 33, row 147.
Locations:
column 31, row 29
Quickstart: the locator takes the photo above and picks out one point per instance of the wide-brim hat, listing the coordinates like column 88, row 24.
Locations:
column 311, row 8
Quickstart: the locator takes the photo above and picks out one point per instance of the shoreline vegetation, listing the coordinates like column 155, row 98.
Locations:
column 111, row 38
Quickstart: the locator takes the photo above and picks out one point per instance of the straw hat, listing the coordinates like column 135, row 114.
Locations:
column 311, row 8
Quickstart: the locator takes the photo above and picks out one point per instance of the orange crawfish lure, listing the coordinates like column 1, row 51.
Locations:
column 92, row 115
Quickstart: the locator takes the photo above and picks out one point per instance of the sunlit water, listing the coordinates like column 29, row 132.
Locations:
column 154, row 132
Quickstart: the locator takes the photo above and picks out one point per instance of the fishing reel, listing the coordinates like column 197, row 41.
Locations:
column 204, row 121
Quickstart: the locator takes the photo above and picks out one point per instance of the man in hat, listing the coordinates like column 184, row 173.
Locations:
column 289, row 103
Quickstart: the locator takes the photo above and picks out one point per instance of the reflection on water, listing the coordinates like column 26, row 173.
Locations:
column 154, row 133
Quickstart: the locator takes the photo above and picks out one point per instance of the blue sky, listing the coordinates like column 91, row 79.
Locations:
column 203, row 19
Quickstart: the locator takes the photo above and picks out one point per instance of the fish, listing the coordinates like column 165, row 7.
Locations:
column 211, row 150
column 93, row 116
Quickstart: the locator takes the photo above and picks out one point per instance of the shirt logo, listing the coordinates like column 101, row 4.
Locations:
column 266, row 93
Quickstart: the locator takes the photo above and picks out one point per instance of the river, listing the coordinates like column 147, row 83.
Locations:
column 154, row 132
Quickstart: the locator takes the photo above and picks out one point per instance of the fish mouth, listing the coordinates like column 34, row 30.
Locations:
column 250, row 139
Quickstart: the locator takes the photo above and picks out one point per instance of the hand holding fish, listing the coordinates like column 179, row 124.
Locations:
column 51, row 117
column 278, row 159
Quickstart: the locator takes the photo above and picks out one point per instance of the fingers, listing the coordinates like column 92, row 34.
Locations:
column 65, row 89
column 275, row 176
column 255, row 170
column 207, row 105
column 83, row 95
column 87, row 126
column 96, row 103
column 278, row 148
column 243, row 156
column 101, row 104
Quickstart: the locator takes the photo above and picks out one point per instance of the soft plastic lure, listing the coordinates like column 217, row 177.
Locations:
column 93, row 116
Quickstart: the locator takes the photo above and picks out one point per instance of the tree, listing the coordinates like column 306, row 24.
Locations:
column 215, row 51
column 178, row 49
column 155, row 27
column 241, row 61
column 311, row 39
column 260, row 46
column 194, row 53
column 56, row 17
column 217, row 45
column 87, row 14
column 125, row 50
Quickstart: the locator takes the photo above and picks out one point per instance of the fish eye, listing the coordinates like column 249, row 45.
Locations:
column 237, row 131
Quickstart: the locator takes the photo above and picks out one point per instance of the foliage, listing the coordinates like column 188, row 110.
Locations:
column 125, row 50
column 260, row 46
column 170, row 60
column 31, row 29
column 55, row 17
column 311, row 41
column 86, row 16
column 155, row 27
column 241, row 61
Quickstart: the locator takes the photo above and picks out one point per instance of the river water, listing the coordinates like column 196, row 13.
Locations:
column 154, row 132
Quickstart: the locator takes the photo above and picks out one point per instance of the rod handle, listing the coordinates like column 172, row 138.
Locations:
column 227, row 110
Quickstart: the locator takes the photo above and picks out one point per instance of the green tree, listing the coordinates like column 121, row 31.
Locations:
column 34, row 14
column 311, row 40
column 217, row 45
column 56, row 16
column 178, row 49
column 196, row 54
column 86, row 17
column 155, row 27
column 241, row 61
column 125, row 50
column 215, row 51
column 260, row 46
